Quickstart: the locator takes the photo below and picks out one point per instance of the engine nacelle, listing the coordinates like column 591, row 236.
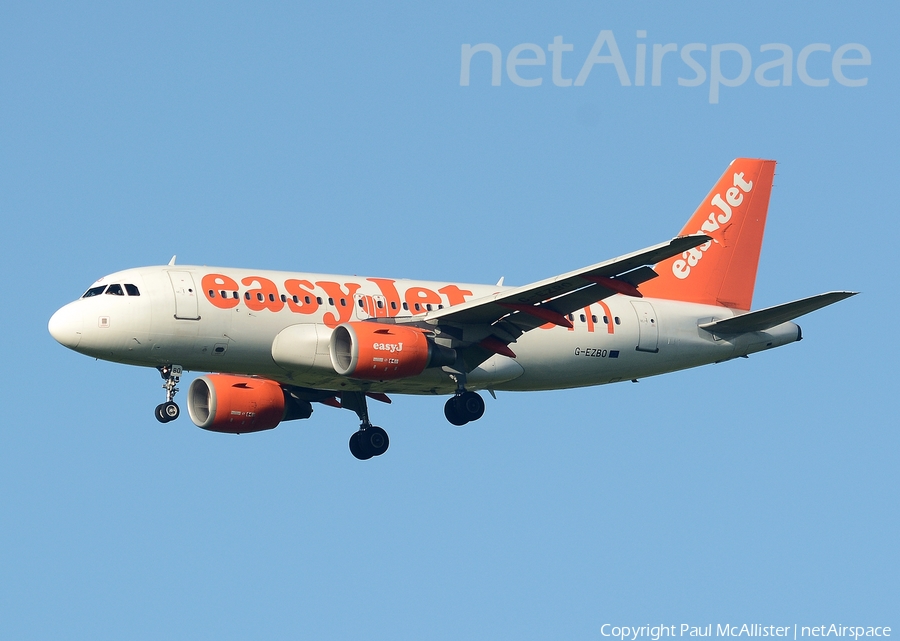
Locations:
column 235, row 404
column 376, row 351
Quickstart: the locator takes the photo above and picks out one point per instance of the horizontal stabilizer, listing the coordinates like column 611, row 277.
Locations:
column 763, row 319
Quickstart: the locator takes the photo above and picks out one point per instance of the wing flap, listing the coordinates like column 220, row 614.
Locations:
column 623, row 284
column 764, row 319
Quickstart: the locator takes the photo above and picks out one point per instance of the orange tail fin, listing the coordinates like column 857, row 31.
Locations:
column 722, row 271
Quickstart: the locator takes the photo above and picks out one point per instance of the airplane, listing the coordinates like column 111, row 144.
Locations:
column 280, row 341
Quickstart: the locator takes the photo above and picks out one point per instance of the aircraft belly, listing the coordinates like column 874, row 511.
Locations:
column 494, row 371
column 559, row 358
column 593, row 355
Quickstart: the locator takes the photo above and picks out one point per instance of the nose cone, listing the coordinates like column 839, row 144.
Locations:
column 66, row 325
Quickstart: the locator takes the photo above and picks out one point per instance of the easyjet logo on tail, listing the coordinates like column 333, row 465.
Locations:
column 734, row 197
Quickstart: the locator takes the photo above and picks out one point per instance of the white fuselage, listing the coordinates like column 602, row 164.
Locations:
column 239, row 321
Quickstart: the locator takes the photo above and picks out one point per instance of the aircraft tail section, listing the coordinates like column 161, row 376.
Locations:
column 764, row 319
column 723, row 270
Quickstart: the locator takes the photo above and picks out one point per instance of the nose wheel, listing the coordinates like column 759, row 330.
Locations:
column 166, row 412
column 169, row 410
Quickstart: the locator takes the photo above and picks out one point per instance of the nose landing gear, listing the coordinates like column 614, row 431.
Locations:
column 169, row 410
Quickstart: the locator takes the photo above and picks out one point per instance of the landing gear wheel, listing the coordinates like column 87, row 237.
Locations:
column 453, row 412
column 166, row 412
column 464, row 407
column 368, row 442
column 171, row 410
column 376, row 440
column 471, row 406
column 356, row 447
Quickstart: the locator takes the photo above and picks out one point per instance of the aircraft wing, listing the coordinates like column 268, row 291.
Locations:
column 486, row 325
column 620, row 274
column 763, row 319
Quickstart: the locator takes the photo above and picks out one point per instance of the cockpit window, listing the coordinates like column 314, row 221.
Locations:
column 94, row 291
column 132, row 290
column 115, row 290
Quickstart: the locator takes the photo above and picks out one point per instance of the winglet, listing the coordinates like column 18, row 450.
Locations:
column 172, row 262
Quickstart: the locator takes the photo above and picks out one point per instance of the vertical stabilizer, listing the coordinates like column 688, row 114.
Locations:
column 722, row 271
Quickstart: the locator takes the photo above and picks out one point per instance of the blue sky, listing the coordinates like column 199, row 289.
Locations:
column 337, row 138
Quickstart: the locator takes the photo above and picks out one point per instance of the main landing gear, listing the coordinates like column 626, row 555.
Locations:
column 464, row 407
column 370, row 440
column 169, row 411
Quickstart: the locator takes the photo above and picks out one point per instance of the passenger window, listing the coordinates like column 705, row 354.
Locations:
column 247, row 295
column 296, row 299
column 571, row 317
column 594, row 317
column 331, row 301
column 418, row 307
column 271, row 298
column 606, row 320
column 283, row 298
column 235, row 295
column 393, row 304
column 405, row 306
column 212, row 293
column 94, row 291
column 132, row 290
column 115, row 290
column 223, row 294
column 617, row 320
column 583, row 318
column 259, row 296
column 319, row 300
column 379, row 303
column 428, row 306
column 307, row 300
column 360, row 301
column 343, row 302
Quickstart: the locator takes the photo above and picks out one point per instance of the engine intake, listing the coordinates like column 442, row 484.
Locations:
column 375, row 351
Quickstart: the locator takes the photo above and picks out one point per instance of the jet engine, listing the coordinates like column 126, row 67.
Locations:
column 376, row 351
column 241, row 404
